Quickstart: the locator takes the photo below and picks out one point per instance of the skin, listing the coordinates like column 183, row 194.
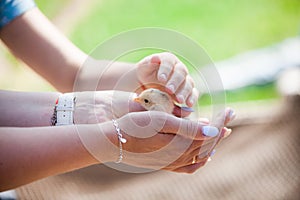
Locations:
column 29, row 154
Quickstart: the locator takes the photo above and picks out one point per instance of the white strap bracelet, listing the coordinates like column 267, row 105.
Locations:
column 64, row 109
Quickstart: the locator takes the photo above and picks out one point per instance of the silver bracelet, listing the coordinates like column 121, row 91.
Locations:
column 121, row 140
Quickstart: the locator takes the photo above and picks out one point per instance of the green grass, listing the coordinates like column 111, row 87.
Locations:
column 268, row 91
column 51, row 8
column 223, row 28
column 250, row 93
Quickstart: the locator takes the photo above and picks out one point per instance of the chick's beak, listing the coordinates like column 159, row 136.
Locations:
column 137, row 99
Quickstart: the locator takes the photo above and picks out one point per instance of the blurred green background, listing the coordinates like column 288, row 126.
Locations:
column 222, row 28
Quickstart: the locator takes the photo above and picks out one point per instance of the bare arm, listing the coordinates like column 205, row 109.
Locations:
column 35, row 40
column 29, row 154
column 26, row 109
column 32, row 38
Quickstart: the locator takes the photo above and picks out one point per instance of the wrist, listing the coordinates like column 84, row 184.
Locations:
column 100, row 140
column 111, row 140
column 27, row 109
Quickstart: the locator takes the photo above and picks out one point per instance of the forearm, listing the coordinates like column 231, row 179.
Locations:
column 107, row 75
column 33, row 38
column 26, row 109
column 29, row 154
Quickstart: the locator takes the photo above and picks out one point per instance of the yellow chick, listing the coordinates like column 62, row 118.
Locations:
column 154, row 99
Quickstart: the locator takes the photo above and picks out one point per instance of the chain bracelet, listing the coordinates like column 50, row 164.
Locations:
column 121, row 140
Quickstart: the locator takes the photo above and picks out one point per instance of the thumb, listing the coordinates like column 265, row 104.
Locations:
column 152, row 59
column 182, row 111
column 149, row 123
column 123, row 103
column 188, row 128
column 155, row 60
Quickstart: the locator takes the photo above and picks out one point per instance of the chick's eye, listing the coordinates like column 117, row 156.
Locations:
column 146, row 100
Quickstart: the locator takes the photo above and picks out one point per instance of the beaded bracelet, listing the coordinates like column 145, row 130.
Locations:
column 121, row 140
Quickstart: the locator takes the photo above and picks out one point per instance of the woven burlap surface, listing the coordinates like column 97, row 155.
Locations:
column 258, row 161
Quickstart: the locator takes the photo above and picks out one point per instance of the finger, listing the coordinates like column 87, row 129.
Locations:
column 151, row 122
column 122, row 103
column 190, row 168
column 133, row 105
column 167, row 63
column 185, row 90
column 196, row 158
column 229, row 116
column 207, row 148
column 188, row 128
column 188, row 159
column 155, row 60
column 151, row 59
column 228, row 131
column 223, row 118
column 205, row 121
column 191, row 100
column 195, row 147
column 177, row 78
column 148, row 144
column 225, row 132
column 146, row 73
column 179, row 112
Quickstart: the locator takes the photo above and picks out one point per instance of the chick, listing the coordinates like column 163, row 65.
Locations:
column 154, row 99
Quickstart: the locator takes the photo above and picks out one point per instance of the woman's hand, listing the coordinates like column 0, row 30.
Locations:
column 157, row 140
column 163, row 71
column 166, row 72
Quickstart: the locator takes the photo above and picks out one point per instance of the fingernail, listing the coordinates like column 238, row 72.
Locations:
column 191, row 101
column 180, row 98
column 210, row 131
column 188, row 109
column 231, row 114
column 212, row 152
column 162, row 77
column 171, row 87
column 209, row 159
column 227, row 133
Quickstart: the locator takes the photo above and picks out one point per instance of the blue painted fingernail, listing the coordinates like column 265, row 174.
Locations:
column 212, row 152
column 188, row 109
column 210, row 131
column 231, row 114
